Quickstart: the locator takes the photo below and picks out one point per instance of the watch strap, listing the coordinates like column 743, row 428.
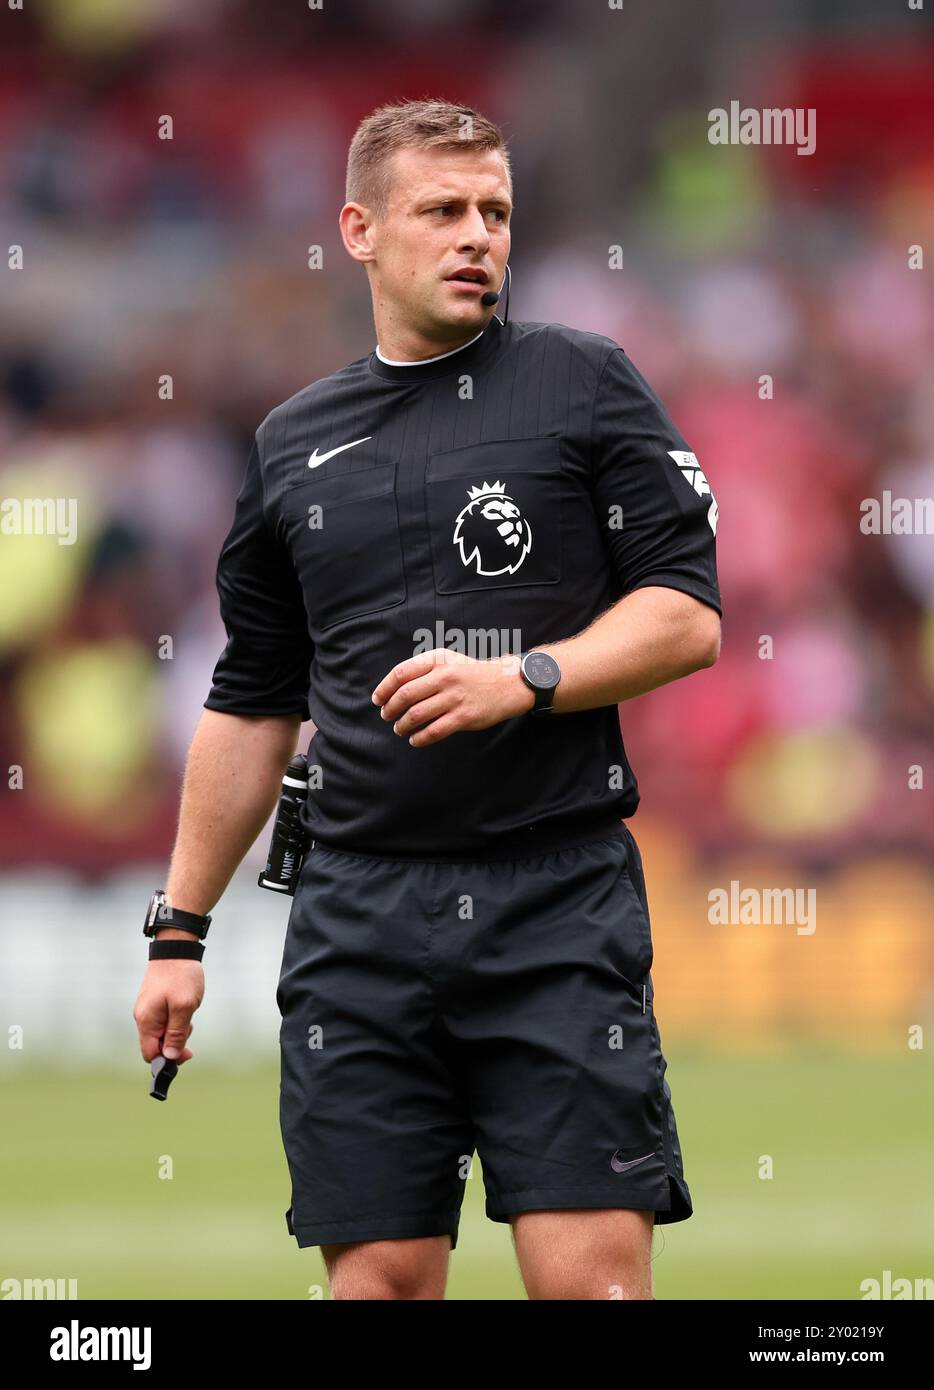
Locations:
column 163, row 914
column 175, row 950
column 544, row 701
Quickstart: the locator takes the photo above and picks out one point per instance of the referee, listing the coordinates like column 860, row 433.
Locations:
column 457, row 556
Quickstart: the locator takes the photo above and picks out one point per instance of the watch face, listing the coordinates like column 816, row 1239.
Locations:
column 151, row 913
column 541, row 670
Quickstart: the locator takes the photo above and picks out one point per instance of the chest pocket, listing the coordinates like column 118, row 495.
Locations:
column 343, row 532
column 495, row 515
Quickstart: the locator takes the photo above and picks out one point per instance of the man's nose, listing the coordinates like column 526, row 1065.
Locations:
column 473, row 232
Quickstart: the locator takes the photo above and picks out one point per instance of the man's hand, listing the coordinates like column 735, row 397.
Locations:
column 443, row 692
column 170, row 993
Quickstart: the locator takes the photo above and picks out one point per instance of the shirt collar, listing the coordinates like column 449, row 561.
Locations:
column 392, row 362
column 468, row 357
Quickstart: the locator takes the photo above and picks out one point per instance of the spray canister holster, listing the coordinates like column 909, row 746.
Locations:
column 290, row 842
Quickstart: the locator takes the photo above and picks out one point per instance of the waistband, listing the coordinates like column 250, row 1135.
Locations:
column 534, row 840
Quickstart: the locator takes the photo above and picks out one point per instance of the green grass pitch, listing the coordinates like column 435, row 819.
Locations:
column 850, row 1136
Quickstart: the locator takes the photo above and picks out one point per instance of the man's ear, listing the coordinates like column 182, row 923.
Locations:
column 356, row 228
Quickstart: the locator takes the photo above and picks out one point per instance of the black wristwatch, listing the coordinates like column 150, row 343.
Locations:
column 160, row 914
column 541, row 674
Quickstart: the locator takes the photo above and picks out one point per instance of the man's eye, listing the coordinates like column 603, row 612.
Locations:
column 449, row 207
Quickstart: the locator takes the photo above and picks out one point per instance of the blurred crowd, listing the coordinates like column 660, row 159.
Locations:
column 773, row 307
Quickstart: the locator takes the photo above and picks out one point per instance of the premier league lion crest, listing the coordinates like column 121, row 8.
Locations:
column 491, row 531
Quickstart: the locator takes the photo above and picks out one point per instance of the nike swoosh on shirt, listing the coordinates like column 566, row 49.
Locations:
column 317, row 458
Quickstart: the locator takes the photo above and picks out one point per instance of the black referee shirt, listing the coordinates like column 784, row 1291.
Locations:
column 505, row 493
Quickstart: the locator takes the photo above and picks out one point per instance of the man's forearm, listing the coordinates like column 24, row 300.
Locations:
column 650, row 637
column 232, row 778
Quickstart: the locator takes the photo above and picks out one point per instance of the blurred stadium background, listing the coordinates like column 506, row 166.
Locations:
column 188, row 256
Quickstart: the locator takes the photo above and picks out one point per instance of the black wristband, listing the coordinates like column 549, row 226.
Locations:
column 175, row 950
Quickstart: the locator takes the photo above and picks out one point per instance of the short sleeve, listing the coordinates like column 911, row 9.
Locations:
column 264, row 669
column 652, row 497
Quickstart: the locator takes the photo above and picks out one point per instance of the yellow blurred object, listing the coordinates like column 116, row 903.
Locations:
column 859, row 981
column 90, row 719
column 99, row 25
column 802, row 783
column 48, row 521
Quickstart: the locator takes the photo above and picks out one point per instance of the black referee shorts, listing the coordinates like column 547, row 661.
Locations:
column 432, row 1009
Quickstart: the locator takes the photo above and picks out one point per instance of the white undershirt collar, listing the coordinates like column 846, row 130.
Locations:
column 425, row 360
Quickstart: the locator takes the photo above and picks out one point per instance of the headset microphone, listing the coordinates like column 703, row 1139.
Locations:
column 491, row 296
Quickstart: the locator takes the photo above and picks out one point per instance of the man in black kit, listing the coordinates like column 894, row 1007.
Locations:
column 457, row 555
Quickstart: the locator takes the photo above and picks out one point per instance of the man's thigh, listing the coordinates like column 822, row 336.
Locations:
column 374, row 1122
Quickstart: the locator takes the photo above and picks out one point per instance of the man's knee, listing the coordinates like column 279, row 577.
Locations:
column 388, row 1269
column 604, row 1253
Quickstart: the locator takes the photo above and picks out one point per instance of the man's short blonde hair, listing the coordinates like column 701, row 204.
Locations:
column 429, row 124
